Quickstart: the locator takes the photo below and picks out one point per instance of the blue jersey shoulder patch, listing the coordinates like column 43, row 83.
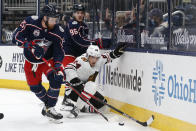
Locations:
column 74, row 22
column 34, row 17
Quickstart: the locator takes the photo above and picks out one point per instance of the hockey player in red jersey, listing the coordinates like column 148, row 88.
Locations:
column 82, row 73
column 42, row 37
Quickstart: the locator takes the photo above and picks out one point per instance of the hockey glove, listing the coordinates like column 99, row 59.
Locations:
column 77, row 84
column 118, row 51
column 55, row 79
column 57, row 73
column 36, row 50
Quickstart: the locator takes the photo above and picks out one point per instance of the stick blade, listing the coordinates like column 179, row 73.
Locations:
column 148, row 122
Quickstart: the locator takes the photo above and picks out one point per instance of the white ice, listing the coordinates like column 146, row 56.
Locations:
column 22, row 111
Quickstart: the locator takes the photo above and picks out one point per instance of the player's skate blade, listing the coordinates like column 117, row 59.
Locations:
column 73, row 113
column 55, row 121
column 53, row 116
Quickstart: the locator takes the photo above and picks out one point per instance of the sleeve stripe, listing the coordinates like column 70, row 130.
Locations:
column 70, row 56
column 23, row 30
column 58, row 62
column 18, row 34
column 71, row 65
column 85, row 38
column 66, row 68
column 61, row 43
column 34, row 26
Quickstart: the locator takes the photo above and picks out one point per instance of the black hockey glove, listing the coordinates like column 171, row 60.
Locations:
column 118, row 51
column 36, row 50
column 76, row 83
column 55, row 79
column 57, row 74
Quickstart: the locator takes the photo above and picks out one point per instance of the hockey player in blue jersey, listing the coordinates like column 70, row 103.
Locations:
column 42, row 37
column 77, row 33
column 76, row 39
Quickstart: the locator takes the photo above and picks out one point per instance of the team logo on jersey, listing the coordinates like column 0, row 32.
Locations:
column 36, row 33
column 84, row 59
column 43, row 42
column 74, row 22
column 61, row 29
column 1, row 62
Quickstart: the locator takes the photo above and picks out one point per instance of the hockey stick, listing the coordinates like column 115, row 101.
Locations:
column 78, row 93
column 97, row 19
column 49, row 65
column 98, row 25
column 146, row 123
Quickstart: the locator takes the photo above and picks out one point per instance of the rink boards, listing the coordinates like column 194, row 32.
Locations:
column 12, row 69
column 140, row 84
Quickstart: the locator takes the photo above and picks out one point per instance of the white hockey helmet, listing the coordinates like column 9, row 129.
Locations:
column 93, row 50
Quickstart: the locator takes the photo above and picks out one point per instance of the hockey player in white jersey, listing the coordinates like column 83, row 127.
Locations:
column 82, row 73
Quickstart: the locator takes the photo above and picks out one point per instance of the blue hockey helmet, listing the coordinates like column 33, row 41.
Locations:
column 50, row 11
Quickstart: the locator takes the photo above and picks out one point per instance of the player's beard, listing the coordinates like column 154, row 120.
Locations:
column 51, row 26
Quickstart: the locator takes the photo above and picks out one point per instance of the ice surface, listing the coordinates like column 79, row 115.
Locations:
column 22, row 112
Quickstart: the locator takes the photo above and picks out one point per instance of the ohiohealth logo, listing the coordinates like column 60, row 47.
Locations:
column 158, row 87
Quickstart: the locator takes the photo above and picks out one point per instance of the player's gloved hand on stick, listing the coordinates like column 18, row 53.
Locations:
column 118, row 51
column 57, row 74
column 36, row 50
column 76, row 83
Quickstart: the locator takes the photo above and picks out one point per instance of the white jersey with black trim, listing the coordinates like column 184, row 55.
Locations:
column 81, row 68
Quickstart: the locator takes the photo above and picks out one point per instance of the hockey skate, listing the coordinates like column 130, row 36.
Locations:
column 67, row 105
column 74, row 113
column 52, row 115
column 88, row 109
